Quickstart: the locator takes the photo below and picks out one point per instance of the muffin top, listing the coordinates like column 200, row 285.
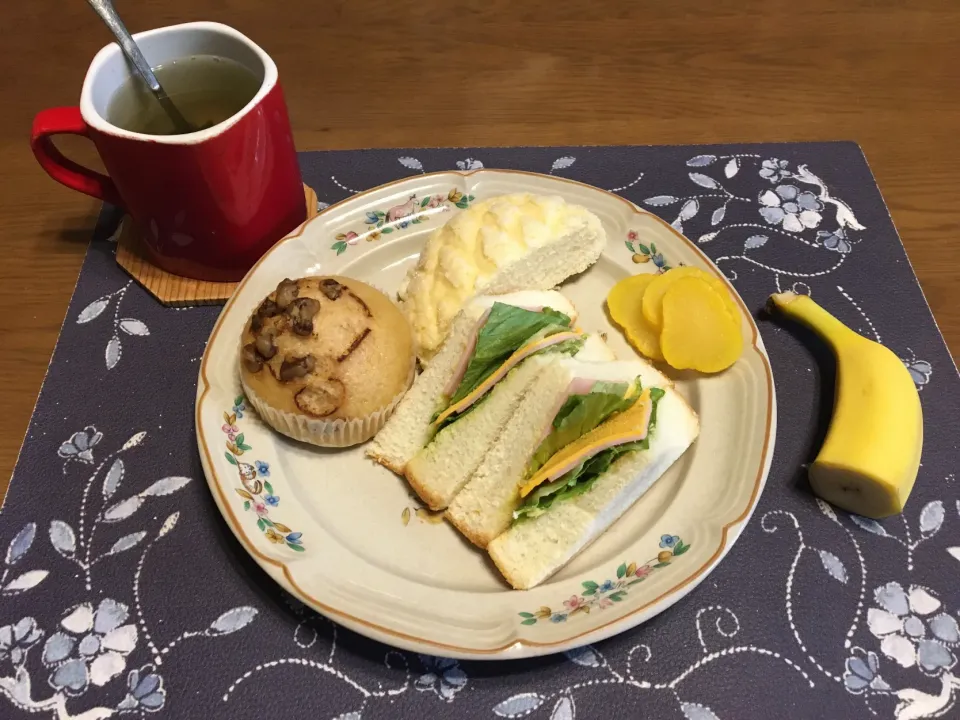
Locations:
column 327, row 347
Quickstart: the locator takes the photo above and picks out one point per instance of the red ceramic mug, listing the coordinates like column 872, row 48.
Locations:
column 209, row 203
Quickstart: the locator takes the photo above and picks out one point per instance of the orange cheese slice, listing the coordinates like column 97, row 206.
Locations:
column 498, row 374
column 631, row 425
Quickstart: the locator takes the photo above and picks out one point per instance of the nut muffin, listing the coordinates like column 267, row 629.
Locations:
column 326, row 359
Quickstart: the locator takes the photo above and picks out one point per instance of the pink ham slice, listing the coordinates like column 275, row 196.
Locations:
column 471, row 345
column 514, row 360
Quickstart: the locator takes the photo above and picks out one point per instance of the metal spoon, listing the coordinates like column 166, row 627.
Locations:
column 107, row 13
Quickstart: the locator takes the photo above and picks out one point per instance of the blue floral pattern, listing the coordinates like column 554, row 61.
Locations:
column 835, row 240
column 413, row 211
column 255, row 489
column 80, row 445
column 861, row 673
column 668, row 541
column 774, row 170
column 600, row 596
column 790, row 207
column 851, row 618
column 91, row 647
column 144, row 691
column 16, row 639
column 643, row 253
column 93, row 640
column 910, row 632
column 920, row 370
column 442, row 676
column 122, row 326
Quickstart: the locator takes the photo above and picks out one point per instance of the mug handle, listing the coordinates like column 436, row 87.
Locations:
column 68, row 121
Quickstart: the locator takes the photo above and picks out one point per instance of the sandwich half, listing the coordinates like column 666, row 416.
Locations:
column 490, row 338
column 584, row 491
column 446, row 463
column 573, row 404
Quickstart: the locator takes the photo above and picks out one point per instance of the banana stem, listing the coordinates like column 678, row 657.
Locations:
column 805, row 310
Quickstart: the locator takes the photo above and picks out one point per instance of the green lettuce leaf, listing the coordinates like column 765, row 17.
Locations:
column 506, row 330
column 567, row 347
column 581, row 478
column 580, row 414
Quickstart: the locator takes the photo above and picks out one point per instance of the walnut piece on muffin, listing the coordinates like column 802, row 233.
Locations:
column 326, row 359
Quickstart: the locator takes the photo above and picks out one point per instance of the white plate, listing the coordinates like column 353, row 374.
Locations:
column 346, row 537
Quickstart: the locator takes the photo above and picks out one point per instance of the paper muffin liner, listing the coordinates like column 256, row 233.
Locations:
column 325, row 433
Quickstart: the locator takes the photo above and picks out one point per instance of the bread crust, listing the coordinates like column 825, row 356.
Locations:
column 480, row 540
column 433, row 501
column 385, row 461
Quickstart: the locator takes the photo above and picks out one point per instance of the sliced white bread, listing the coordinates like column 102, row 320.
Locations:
column 409, row 428
column 532, row 550
column 595, row 349
column 500, row 245
column 443, row 467
column 483, row 509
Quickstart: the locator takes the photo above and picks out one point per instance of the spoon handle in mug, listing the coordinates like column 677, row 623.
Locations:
column 107, row 13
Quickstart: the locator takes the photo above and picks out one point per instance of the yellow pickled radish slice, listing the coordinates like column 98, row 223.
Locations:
column 653, row 297
column 625, row 302
column 625, row 297
column 698, row 331
column 645, row 339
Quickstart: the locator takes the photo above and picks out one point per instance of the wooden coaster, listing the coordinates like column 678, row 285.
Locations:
column 174, row 290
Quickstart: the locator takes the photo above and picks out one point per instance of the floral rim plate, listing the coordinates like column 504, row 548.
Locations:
column 348, row 537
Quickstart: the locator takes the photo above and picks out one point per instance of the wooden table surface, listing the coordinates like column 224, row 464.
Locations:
column 371, row 73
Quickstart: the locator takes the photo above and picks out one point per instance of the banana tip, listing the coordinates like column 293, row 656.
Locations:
column 780, row 300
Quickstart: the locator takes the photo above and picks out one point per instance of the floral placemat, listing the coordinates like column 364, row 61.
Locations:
column 123, row 593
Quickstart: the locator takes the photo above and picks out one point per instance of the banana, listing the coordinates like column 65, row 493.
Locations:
column 869, row 460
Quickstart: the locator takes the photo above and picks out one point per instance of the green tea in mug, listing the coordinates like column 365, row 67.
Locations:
column 206, row 89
